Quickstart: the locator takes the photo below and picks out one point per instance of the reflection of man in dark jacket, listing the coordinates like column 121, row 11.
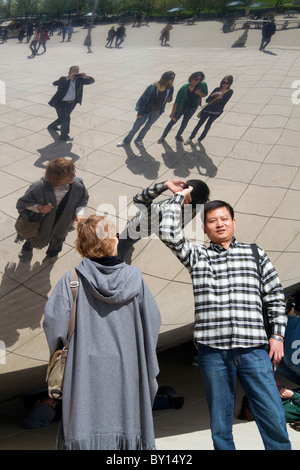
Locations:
column 69, row 93
column 268, row 29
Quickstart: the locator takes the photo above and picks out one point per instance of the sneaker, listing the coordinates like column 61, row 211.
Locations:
column 187, row 142
column 139, row 143
column 176, row 402
column 161, row 140
column 179, row 138
column 121, row 144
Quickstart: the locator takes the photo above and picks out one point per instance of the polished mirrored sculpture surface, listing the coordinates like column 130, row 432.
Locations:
column 249, row 158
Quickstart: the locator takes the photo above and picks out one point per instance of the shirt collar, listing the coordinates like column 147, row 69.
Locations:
column 219, row 248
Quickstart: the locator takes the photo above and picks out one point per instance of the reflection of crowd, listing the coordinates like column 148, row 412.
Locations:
column 110, row 379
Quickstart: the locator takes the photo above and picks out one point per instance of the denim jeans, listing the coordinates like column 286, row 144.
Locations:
column 187, row 114
column 149, row 119
column 219, row 368
column 203, row 117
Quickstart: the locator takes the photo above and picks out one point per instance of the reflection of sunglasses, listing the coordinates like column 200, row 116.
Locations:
column 225, row 83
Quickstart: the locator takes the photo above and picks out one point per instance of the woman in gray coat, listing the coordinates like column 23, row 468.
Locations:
column 110, row 377
column 59, row 198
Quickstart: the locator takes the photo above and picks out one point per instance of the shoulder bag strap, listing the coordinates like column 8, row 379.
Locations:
column 74, row 286
column 215, row 99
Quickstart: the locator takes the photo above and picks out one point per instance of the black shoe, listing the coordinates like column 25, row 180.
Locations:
column 179, row 138
column 52, row 254
column 66, row 138
column 176, row 402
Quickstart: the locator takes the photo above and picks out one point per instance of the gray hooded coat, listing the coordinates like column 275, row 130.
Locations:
column 110, row 379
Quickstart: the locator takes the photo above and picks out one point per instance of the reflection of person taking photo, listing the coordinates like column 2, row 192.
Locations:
column 69, row 93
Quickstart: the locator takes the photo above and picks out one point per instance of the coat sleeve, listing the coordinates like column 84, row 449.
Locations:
column 146, row 196
column 60, row 81
column 151, row 320
column 57, row 314
column 143, row 100
column 272, row 293
column 32, row 196
column 85, row 195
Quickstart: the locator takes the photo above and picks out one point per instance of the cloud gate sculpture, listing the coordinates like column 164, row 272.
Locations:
column 250, row 158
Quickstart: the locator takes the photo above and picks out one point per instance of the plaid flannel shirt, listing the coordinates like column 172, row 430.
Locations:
column 228, row 290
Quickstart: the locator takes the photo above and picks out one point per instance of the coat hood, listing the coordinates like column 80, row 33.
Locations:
column 112, row 284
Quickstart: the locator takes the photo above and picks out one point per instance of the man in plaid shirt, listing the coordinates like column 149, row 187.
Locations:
column 229, row 329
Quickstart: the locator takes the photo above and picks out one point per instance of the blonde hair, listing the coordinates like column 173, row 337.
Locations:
column 59, row 169
column 96, row 237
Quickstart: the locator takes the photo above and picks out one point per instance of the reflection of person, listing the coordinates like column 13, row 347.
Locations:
column 110, row 36
column 229, row 328
column 34, row 43
column 43, row 40
column 268, row 30
column 41, row 414
column 69, row 93
column 120, row 35
column 214, row 108
column 187, row 101
column 60, row 197
column 291, row 403
column 150, row 106
column 165, row 34
column 110, row 377
column 146, row 221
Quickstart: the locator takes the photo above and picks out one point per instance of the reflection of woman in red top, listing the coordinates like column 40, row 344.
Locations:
column 214, row 108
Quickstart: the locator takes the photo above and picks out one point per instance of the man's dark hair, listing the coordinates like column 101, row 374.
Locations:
column 200, row 193
column 212, row 205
